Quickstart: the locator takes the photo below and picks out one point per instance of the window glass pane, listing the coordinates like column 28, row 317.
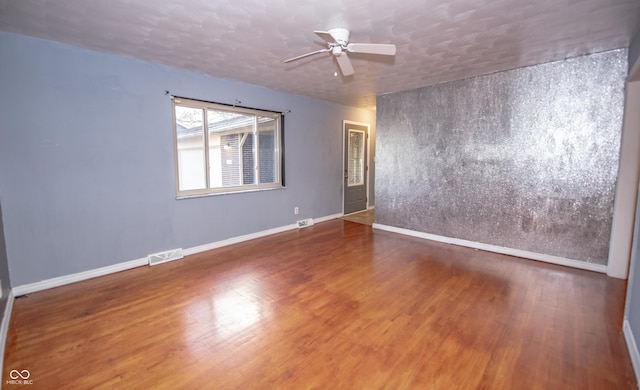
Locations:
column 356, row 158
column 190, row 148
column 248, row 159
column 230, row 148
column 267, row 150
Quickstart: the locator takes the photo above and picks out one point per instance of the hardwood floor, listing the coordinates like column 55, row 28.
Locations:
column 365, row 217
column 336, row 305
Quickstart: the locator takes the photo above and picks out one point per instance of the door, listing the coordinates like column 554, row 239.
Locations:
column 356, row 136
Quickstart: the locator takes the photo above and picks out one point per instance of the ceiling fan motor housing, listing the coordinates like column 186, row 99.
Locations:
column 341, row 35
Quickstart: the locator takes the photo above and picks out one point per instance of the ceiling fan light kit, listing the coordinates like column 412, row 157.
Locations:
column 337, row 40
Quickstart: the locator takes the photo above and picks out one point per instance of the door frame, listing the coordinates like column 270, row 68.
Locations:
column 367, row 163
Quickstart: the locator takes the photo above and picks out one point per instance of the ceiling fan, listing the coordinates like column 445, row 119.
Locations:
column 337, row 40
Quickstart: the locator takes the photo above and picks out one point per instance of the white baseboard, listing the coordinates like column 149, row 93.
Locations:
column 236, row 240
column 4, row 327
column 80, row 276
column 251, row 236
column 631, row 346
column 328, row 217
column 497, row 249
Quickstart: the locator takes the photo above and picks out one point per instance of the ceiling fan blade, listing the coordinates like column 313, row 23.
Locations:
column 306, row 55
column 344, row 63
column 372, row 48
column 326, row 36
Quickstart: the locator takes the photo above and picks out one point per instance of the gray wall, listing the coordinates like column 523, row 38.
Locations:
column 4, row 268
column 524, row 159
column 634, row 50
column 632, row 305
column 88, row 165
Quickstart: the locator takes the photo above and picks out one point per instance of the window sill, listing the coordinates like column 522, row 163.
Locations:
column 180, row 197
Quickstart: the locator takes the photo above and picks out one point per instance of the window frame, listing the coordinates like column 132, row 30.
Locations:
column 257, row 186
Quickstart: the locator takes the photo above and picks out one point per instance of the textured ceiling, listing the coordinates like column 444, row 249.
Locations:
column 247, row 40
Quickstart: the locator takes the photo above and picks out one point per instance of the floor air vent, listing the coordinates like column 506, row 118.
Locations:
column 305, row 223
column 163, row 257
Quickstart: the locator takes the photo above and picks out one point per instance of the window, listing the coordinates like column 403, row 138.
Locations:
column 356, row 168
column 239, row 149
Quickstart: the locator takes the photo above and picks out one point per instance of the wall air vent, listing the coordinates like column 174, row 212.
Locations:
column 305, row 223
column 166, row 256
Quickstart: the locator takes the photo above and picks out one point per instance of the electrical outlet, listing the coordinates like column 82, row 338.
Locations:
column 296, row 210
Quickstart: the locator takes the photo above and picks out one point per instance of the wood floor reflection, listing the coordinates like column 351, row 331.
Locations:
column 365, row 217
column 337, row 305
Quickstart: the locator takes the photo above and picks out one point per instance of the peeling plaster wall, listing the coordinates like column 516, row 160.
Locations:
column 524, row 159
